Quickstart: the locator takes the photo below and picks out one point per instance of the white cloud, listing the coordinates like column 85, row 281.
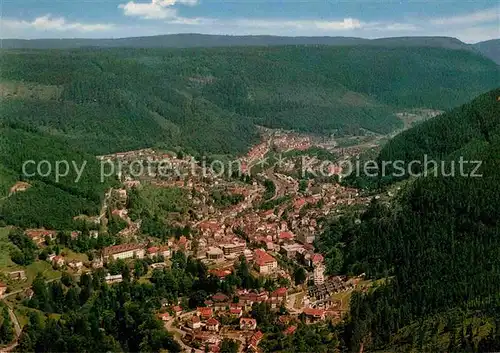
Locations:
column 347, row 23
column 270, row 26
column 151, row 11
column 58, row 24
column 154, row 10
column 484, row 16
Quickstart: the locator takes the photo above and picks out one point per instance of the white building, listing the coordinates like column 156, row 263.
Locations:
column 319, row 274
column 124, row 251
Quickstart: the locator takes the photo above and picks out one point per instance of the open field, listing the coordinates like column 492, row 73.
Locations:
column 6, row 246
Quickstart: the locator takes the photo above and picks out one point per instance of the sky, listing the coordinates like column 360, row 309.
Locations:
column 468, row 20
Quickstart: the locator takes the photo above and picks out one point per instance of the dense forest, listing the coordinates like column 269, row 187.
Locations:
column 459, row 132
column 437, row 244
column 208, row 100
column 50, row 201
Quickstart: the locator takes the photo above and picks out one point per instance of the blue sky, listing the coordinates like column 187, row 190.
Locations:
column 469, row 20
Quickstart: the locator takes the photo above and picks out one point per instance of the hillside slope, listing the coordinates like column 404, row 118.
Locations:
column 48, row 202
column 490, row 49
column 208, row 100
column 438, row 243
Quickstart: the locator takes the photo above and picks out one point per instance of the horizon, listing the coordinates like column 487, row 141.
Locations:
column 241, row 35
column 470, row 22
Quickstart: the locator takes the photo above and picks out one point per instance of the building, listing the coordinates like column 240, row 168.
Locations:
column 75, row 265
column 3, row 289
column 204, row 312
column 20, row 186
column 314, row 315
column 306, row 238
column 39, row 235
column 220, row 297
column 194, row 323
column 319, row 275
column 177, row 310
column 164, row 316
column 234, row 249
column 29, row 293
column 58, row 261
column 279, row 294
column 220, row 273
column 110, row 279
column 285, row 236
column 291, row 250
column 235, row 312
column 215, row 254
column 212, row 324
column 155, row 251
column 124, row 251
column 264, row 263
column 254, row 341
column 18, row 275
column 247, row 323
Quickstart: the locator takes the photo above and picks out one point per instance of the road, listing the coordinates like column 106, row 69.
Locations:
column 179, row 334
column 105, row 204
column 17, row 330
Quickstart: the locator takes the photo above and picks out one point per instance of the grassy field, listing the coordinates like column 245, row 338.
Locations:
column 6, row 246
column 42, row 267
column 71, row 255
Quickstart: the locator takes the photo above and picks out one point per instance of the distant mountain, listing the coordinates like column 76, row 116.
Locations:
column 203, row 40
column 490, row 49
column 184, row 40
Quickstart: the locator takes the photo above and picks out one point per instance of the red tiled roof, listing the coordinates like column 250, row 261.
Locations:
column 317, row 258
column 195, row 319
column 205, row 312
column 219, row 297
column 37, row 233
column 286, row 235
column 153, row 250
column 116, row 249
column 268, row 212
column 209, row 225
column 262, row 258
column 248, row 321
column 257, row 336
column 314, row 312
column 280, row 292
column 212, row 322
column 290, row 330
column 235, row 311
column 177, row 308
column 220, row 273
column 299, row 203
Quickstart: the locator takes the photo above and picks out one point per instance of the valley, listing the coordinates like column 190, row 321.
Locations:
column 218, row 199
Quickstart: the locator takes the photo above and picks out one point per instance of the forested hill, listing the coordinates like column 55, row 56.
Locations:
column 192, row 40
column 439, row 139
column 208, row 100
column 490, row 49
column 438, row 246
